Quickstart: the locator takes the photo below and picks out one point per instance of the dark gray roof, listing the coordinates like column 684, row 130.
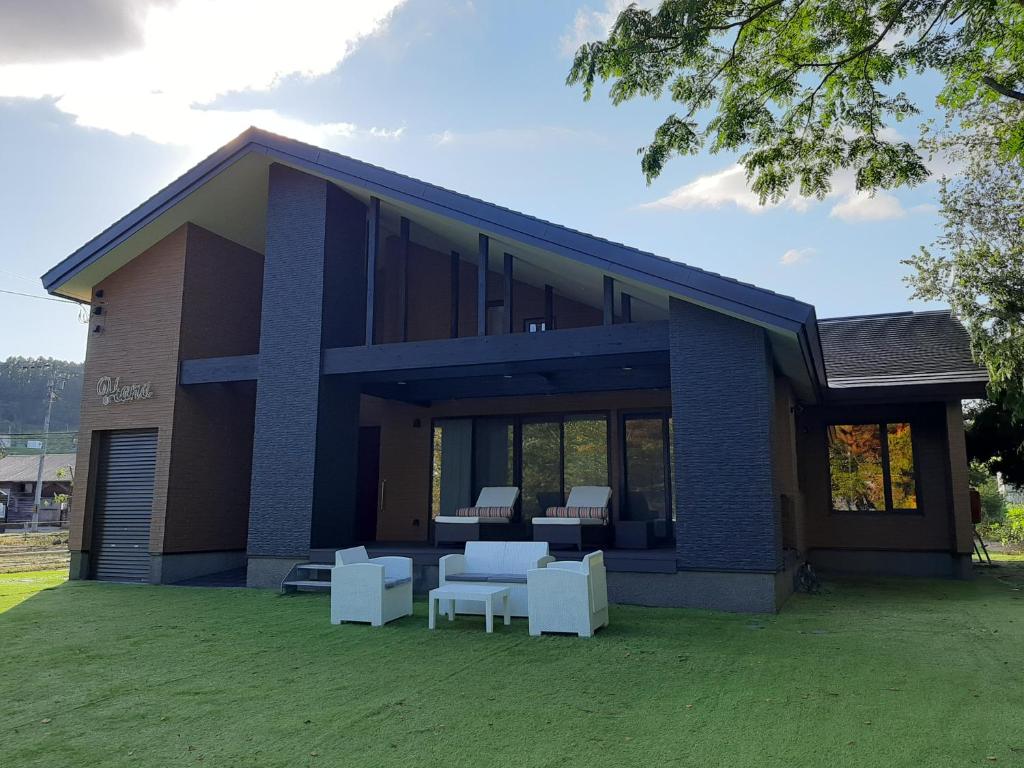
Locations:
column 900, row 349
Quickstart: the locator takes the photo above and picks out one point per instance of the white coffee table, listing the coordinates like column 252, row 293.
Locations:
column 471, row 592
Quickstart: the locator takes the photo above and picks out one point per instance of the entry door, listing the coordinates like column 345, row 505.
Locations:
column 123, row 505
column 369, row 491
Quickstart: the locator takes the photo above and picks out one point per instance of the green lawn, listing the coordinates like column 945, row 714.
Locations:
column 882, row 673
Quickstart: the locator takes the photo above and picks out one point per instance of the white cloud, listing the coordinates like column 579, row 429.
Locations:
column 728, row 188
column 796, row 255
column 725, row 188
column 528, row 137
column 860, row 206
column 196, row 51
column 590, row 24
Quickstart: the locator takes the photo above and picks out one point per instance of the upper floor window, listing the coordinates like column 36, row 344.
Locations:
column 872, row 467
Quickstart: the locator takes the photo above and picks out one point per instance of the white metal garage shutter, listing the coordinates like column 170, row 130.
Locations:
column 124, row 506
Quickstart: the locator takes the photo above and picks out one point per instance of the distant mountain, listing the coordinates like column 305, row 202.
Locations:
column 23, row 396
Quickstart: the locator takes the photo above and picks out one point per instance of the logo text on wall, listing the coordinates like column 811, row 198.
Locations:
column 111, row 390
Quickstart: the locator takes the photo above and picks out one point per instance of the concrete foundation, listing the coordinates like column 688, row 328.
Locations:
column 885, row 563
column 169, row 568
column 718, row 591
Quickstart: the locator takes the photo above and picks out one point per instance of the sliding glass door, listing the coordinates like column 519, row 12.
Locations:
column 451, row 466
column 541, row 467
column 493, row 453
column 647, row 459
column 544, row 456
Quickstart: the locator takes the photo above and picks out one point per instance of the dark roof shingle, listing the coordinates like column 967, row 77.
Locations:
column 904, row 348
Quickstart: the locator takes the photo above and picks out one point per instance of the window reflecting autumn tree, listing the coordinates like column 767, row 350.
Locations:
column 862, row 480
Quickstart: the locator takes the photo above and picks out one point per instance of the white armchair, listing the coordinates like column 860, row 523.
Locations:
column 377, row 590
column 569, row 596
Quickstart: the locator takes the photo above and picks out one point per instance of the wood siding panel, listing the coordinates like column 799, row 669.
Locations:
column 429, row 297
column 208, row 492
column 928, row 530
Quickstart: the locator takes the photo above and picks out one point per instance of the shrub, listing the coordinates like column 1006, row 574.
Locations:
column 1009, row 531
column 993, row 502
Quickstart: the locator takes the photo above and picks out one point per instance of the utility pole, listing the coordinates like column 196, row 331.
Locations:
column 51, row 395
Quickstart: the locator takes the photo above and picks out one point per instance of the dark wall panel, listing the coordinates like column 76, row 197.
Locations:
column 722, row 401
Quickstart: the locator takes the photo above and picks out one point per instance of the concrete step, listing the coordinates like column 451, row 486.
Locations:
column 314, row 567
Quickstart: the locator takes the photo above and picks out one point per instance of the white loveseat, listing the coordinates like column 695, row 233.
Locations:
column 376, row 590
column 567, row 596
column 495, row 564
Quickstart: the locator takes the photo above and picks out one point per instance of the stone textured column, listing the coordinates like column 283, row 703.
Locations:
column 313, row 268
column 727, row 516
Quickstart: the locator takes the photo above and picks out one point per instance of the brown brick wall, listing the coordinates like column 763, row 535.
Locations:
column 204, row 439
column 139, row 342
column 405, row 448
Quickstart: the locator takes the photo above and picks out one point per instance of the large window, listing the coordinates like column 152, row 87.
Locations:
column 493, row 453
column 586, row 451
column 545, row 456
column 647, row 458
column 542, row 467
column 872, row 467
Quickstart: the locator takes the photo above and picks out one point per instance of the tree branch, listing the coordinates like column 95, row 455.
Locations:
column 1004, row 90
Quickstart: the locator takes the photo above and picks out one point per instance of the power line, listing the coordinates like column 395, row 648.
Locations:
column 41, row 298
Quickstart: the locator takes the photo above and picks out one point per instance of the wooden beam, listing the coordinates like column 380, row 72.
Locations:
column 627, row 308
column 609, row 300
column 481, row 285
column 372, row 246
column 508, row 293
column 549, row 308
column 456, row 268
column 403, row 282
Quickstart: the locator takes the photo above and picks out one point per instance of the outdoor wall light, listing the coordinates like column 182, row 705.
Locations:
column 97, row 328
column 507, row 376
column 626, row 368
column 99, row 294
column 97, row 310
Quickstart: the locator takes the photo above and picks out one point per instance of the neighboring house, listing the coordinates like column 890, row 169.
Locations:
column 18, row 484
column 292, row 351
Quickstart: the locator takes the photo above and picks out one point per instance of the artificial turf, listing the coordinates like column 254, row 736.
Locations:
column 871, row 673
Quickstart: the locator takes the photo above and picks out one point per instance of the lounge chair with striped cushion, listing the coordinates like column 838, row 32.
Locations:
column 494, row 507
column 583, row 519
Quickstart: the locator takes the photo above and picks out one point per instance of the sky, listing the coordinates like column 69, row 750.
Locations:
column 103, row 102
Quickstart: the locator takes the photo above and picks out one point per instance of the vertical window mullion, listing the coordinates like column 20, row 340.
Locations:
column 886, row 472
column 517, row 460
column 561, row 457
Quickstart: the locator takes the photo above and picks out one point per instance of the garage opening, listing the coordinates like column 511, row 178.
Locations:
column 123, row 505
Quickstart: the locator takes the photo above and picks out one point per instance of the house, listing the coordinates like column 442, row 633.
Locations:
column 18, row 475
column 291, row 351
